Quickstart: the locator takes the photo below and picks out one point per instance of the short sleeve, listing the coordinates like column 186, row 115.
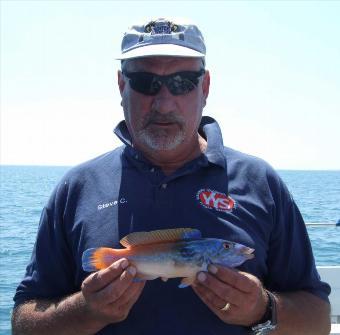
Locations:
column 291, row 264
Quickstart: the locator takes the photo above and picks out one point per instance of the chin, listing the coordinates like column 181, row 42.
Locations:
column 161, row 143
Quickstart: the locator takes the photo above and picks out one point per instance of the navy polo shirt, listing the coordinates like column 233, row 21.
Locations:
column 224, row 193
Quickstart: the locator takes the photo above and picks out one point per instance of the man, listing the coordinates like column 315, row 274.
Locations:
column 173, row 171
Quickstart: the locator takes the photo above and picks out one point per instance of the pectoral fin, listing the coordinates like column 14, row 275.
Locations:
column 186, row 282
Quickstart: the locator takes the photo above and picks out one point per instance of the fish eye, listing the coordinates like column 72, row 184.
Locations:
column 226, row 246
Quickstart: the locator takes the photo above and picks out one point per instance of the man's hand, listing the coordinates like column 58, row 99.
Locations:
column 243, row 291
column 106, row 296
column 110, row 293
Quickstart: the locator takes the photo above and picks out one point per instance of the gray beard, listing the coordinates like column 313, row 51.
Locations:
column 161, row 140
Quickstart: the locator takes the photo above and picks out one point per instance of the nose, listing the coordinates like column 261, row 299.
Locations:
column 164, row 101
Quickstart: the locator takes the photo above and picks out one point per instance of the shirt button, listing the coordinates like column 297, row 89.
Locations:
column 152, row 170
column 164, row 186
column 136, row 156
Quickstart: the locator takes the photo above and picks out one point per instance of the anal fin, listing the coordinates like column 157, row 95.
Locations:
column 185, row 282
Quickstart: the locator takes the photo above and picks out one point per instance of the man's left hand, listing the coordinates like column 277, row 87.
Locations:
column 242, row 295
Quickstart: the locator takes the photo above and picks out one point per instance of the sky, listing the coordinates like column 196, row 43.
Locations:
column 275, row 77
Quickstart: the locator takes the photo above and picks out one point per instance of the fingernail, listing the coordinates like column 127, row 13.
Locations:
column 132, row 270
column 124, row 264
column 202, row 277
column 213, row 269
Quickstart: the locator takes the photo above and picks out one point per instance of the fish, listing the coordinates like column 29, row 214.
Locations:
column 169, row 253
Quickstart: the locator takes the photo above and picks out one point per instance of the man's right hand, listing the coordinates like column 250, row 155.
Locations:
column 110, row 293
column 106, row 296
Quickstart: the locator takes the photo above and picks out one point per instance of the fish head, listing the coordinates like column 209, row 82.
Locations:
column 231, row 254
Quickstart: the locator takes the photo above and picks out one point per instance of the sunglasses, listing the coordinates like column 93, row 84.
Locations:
column 178, row 83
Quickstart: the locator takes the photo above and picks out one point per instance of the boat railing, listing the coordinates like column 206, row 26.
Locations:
column 324, row 224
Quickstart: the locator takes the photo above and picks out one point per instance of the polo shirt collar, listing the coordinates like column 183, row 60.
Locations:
column 211, row 131
column 208, row 128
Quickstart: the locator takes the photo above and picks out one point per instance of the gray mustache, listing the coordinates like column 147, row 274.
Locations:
column 165, row 118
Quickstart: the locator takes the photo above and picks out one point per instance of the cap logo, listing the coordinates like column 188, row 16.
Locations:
column 160, row 27
column 215, row 200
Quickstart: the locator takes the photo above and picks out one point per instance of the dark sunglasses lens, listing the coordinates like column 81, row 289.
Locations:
column 144, row 83
column 181, row 83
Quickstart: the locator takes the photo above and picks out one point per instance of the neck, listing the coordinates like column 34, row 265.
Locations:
column 171, row 160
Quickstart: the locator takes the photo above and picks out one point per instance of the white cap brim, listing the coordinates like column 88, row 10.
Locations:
column 171, row 50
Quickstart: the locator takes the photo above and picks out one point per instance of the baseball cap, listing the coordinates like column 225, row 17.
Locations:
column 163, row 37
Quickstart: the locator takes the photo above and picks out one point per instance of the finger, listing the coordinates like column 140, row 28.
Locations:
column 234, row 278
column 226, row 315
column 209, row 297
column 220, row 290
column 113, row 291
column 203, row 294
column 130, row 296
column 120, row 309
column 247, row 291
column 98, row 280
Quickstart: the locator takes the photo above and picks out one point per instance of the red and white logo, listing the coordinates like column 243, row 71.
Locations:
column 217, row 200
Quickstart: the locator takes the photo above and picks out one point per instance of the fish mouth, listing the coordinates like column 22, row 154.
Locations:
column 246, row 252
column 248, row 256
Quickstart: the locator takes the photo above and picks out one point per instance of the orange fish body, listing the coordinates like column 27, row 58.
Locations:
column 169, row 253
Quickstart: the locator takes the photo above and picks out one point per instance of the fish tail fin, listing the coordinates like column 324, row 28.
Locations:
column 95, row 259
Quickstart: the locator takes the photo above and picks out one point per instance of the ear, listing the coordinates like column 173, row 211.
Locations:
column 206, row 85
column 121, row 82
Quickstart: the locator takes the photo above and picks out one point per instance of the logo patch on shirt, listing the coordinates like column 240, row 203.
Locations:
column 214, row 199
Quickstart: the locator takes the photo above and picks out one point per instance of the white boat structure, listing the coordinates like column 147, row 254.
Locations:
column 331, row 275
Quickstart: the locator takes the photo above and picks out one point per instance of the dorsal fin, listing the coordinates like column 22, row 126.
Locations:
column 159, row 236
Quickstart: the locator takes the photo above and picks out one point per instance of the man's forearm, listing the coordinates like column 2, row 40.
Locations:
column 67, row 316
column 302, row 313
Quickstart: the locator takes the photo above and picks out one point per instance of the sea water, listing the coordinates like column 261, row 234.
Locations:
column 24, row 191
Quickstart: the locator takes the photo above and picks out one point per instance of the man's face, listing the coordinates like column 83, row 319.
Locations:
column 164, row 121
